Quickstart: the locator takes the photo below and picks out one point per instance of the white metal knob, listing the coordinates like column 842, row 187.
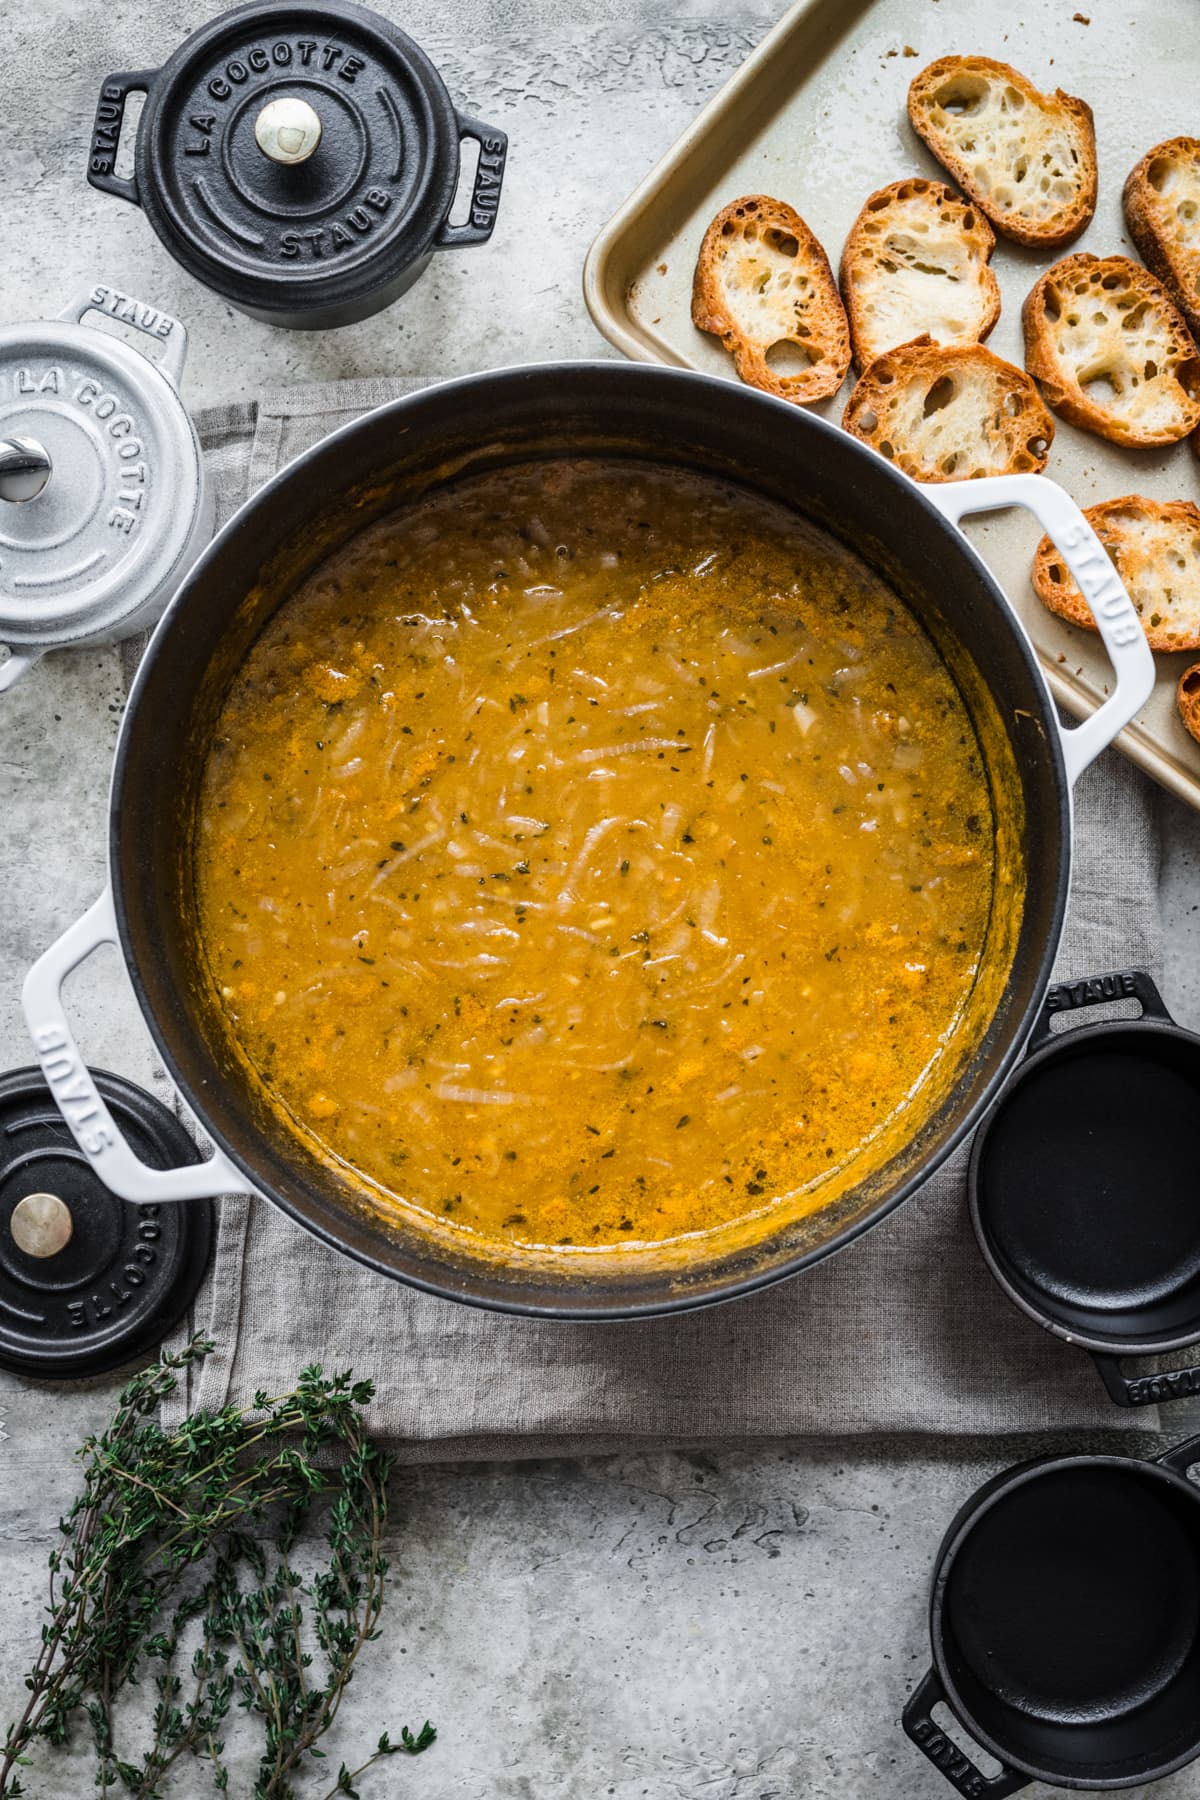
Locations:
column 24, row 468
column 41, row 1225
column 287, row 130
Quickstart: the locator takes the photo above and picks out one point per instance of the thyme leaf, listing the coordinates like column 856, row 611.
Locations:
column 175, row 1576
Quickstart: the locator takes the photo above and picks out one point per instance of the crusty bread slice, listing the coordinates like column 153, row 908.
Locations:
column 1187, row 698
column 1027, row 158
column 1162, row 210
column 1111, row 350
column 916, row 264
column 950, row 412
column 1155, row 547
column 764, row 286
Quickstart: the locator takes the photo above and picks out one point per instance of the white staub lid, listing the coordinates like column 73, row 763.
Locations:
column 103, row 504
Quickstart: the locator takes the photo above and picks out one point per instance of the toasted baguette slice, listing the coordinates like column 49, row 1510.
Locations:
column 1162, row 210
column 1155, row 547
column 916, row 264
column 1111, row 350
column 1027, row 158
column 1187, row 698
column 764, row 286
column 948, row 413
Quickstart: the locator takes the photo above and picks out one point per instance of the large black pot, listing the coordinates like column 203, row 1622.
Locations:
column 391, row 457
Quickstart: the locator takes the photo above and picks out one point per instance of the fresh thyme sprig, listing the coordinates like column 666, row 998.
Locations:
column 177, row 1556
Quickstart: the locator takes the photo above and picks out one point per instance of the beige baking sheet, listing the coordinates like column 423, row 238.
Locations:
column 816, row 116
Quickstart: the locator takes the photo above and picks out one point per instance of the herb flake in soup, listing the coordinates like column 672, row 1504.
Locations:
column 593, row 855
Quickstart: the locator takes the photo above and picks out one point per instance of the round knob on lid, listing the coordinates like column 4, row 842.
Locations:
column 287, row 130
column 41, row 1225
column 24, row 468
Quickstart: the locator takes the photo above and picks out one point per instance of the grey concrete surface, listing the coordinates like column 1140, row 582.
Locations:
column 733, row 1626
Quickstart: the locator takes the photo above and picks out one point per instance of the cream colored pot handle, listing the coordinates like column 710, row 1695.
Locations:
column 75, row 1093
column 1099, row 583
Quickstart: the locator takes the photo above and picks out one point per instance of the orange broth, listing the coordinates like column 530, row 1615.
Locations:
column 595, row 855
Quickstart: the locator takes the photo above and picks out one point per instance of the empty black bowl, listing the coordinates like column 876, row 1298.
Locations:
column 1083, row 1185
column 1065, row 1626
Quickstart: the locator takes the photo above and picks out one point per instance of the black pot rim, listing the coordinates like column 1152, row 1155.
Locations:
column 957, row 1533
column 1040, row 1313
column 367, row 286
column 465, row 388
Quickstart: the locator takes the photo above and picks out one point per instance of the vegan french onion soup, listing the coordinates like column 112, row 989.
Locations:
column 596, row 859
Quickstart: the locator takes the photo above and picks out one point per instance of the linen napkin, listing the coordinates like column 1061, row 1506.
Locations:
column 903, row 1332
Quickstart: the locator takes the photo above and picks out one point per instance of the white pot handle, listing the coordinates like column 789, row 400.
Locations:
column 75, row 1093
column 1099, row 583
column 170, row 331
column 19, row 663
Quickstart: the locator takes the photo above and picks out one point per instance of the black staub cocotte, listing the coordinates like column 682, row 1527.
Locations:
column 301, row 160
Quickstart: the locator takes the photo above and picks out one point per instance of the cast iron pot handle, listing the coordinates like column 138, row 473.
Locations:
column 1099, row 583
column 106, row 132
column 958, row 1769
column 1097, row 990
column 1180, row 1457
column 169, row 331
column 1145, row 1390
column 75, row 1093
column 485, row 194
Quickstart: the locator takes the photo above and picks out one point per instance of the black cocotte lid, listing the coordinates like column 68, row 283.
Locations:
column 300, row 159
column 87, row 1281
